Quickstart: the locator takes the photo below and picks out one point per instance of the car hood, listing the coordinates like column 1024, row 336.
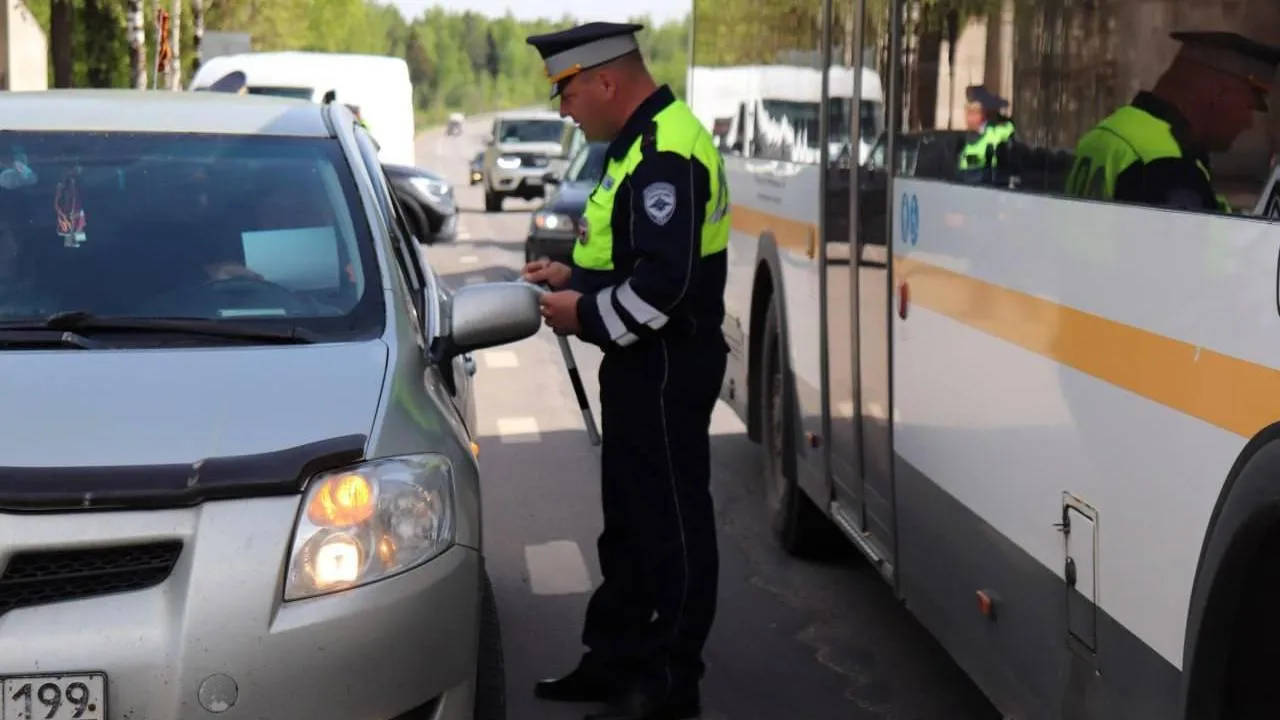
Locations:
column 570, row 199
column 93, row 408
column 540, row 148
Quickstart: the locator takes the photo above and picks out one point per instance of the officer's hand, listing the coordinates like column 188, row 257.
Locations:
column 544, row 271
column 560, row 309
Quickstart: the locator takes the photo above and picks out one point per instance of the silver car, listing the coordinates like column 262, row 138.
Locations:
column 237, row 473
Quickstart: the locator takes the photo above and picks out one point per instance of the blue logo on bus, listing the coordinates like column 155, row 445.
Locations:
column 910, row 219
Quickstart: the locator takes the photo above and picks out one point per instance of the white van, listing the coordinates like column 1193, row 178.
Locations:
column 377, row 86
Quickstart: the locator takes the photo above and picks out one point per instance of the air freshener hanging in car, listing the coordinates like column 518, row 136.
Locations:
column 66, row 202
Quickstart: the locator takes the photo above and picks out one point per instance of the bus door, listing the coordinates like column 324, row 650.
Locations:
column 858, row 306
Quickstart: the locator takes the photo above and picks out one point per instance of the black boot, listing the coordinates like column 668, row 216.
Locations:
column 581, row 685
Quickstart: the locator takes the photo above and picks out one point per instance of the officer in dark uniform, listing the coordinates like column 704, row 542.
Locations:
column 988, row 128
column 1155, row 150
column 647, row 286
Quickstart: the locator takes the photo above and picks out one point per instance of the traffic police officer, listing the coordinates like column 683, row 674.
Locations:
column 1155, row 150
column 647, row 286
column 988, row 128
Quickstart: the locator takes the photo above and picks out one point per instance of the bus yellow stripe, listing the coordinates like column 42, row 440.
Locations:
column 793, row 235
column 1236, row 395
column 1231, row 393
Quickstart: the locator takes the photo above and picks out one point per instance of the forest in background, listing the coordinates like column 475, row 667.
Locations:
column 458, row 61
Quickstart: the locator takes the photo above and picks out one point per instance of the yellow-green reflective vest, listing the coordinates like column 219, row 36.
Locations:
column 678, row 131
column 974, row 155
column 1127, row 136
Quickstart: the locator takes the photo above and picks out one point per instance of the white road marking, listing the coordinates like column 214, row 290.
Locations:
column 518, row 430
column 501, row 359
column 468, row 259
column 557, row 568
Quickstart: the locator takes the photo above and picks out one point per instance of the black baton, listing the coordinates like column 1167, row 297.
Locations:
column 593, row 435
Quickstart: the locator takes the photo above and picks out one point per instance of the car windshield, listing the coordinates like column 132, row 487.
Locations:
column 530, row 131
column 588, row 164
column 250, row 231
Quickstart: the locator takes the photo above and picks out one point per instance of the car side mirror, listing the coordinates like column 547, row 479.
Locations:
column 551, row 179
column 486, row 315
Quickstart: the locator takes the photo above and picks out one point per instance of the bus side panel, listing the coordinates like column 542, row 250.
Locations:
column 743, row 257
column 787, row 197
column 1053, row 348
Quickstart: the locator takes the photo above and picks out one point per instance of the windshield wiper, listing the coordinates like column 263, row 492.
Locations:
column 16, row 337
column 80, row 321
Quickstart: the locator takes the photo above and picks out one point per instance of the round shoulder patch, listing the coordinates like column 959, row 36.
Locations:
column 660, row 202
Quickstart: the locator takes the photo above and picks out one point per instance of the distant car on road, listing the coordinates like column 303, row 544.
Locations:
column 455, row 124
column 271, row 506
column 428, row 201
column 554, row 227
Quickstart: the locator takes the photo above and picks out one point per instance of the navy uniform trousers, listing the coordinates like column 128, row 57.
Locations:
column 647, row 623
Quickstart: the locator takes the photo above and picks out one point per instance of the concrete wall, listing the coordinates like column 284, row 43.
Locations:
column 24, row 49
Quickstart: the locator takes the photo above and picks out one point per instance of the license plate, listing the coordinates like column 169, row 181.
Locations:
column 534, row 180
column 54, row 697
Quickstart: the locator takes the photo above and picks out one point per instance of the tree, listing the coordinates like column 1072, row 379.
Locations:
column 491, row 60
column 457, row 61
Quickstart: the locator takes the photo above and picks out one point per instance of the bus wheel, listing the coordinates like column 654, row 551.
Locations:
column 796, row 522
column 1254, row 650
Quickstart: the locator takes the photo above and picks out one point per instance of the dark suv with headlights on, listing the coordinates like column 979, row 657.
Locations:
column 554, row 226
column 428, row 202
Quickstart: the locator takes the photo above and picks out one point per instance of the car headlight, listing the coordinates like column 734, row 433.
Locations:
column 552, row 221
column 434, row 189
column 371, row 521
column 508, row 162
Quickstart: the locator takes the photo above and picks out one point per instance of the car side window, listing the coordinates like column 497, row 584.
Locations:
column 407, row 261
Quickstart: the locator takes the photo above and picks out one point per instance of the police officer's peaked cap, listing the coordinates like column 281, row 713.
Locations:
column 989, row 101
column 1233, row 54
column 568, row 52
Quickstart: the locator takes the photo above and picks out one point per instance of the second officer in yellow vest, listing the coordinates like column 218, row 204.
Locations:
column 647, row 286
column 1155, row 150
column 988, row 128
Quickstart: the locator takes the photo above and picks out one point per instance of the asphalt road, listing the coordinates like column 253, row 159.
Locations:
column 792, row 641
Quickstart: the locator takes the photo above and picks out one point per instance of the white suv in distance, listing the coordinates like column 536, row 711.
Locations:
column 522, row 148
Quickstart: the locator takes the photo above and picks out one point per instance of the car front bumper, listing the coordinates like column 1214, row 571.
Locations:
column 518, row 181
column 215, row 635
column 448, row 231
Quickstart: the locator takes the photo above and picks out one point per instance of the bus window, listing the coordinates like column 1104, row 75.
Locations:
column 1044, row 131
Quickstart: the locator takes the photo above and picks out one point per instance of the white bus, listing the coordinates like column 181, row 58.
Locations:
column 1049, row 423
column 378, row 86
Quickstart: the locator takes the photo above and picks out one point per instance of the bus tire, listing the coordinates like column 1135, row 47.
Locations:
column 796, row 522
column 1233, row 605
